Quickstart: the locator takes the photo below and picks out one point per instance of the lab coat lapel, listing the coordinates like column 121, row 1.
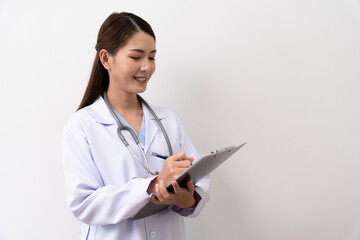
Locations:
column 101, row 113
column 151, row 125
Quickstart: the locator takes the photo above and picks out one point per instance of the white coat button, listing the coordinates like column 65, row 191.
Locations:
column 153, row 234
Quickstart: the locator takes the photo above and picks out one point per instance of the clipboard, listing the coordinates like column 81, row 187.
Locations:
column 202, row 167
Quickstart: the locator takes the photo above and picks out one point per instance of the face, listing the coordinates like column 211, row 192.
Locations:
column 131, row 68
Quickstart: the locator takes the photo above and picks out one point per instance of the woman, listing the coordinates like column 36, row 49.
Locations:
column 105, row 184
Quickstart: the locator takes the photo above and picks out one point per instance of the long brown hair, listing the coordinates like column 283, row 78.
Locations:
column 113, row 34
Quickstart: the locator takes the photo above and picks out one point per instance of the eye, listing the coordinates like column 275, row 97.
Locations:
column 135, row 58
column 152, row 59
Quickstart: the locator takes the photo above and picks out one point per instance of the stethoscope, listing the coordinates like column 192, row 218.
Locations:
column 122, row 127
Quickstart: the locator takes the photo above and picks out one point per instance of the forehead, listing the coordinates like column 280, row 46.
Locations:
column 140, row 40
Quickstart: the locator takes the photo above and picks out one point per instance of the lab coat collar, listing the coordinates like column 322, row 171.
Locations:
column 101, row 112
column 102, row 115
column 152, row 126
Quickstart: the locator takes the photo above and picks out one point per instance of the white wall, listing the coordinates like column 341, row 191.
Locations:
column 282, row 75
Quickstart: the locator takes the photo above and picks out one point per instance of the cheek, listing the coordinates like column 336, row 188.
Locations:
column 127, row 68
column 153, row 67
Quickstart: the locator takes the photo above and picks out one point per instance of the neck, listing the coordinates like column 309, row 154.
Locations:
column 122, row 101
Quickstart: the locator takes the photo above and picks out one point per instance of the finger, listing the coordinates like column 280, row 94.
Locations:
column 176, row 187
column 154, row 200
column 158, row 193
column 191, row 159
column 190, row 185
column 184, row 164
column 163, row 191
column 177, row 156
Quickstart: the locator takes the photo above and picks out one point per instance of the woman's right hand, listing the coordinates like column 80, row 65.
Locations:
column 174, row 166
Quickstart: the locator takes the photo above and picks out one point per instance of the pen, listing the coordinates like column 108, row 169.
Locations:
column 159, row 155
column 162, row 156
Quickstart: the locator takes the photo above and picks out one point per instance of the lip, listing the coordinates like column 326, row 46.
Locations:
column 141, row 77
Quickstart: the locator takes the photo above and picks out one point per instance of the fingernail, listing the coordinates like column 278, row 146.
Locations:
column 153, row 195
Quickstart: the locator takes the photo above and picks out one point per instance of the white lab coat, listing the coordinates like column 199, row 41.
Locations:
column 99, row 175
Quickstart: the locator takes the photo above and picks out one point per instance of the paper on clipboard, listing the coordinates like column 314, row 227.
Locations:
column 202, row 167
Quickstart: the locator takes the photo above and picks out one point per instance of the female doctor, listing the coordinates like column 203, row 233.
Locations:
column 107, row 182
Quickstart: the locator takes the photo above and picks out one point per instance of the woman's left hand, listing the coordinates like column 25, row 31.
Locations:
column 181, row 197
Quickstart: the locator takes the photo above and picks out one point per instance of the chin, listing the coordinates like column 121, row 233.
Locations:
column 141, row 90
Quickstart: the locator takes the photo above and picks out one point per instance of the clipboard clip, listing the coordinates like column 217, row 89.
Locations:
column 225, row 149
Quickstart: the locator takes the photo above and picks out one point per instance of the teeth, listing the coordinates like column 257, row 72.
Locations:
column 141, row 79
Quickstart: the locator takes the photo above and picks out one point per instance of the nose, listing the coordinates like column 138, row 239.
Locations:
column 145, row 66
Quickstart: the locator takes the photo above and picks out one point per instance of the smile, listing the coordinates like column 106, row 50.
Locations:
column 140, row 79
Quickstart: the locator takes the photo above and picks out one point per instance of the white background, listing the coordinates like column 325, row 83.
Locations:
column 282, row 75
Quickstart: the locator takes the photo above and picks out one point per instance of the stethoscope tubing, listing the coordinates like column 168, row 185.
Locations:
column 122, row 127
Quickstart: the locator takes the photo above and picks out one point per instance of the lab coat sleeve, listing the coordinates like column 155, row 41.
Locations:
column 90, row 201
column 201, row 187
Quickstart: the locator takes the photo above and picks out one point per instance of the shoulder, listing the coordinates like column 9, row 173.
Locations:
column 97, row 112
column 164, row 113
column 81, row 119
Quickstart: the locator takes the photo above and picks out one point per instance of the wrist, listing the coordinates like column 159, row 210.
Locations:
column 192, row 203
column 187, row 204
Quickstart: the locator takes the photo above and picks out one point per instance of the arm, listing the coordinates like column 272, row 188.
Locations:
column 89, row 199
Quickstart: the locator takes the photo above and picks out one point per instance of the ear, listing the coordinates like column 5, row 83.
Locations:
column 105, row 59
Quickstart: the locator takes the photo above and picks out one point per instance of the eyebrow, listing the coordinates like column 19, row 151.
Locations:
column 141, row 51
